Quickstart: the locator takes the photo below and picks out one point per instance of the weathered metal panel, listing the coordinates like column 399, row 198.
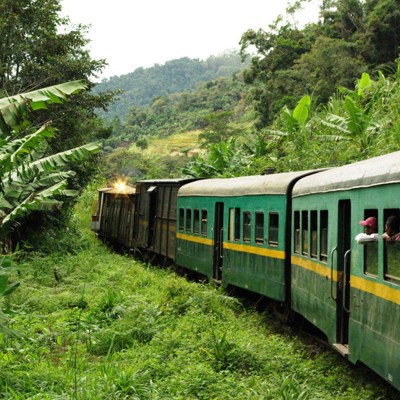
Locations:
column 243, row 186
column 156, row 215
column 375, row 171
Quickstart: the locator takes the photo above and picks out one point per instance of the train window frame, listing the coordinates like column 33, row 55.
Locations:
column 246, row 218
column 305, row 241
column 204, row 222
column 296, row 232
column 371, row 247
column 231, row 224
column 273, row 229
column 388, row 248
column 237, row 225
column 181, row 220
column 323, row 235
column 259, row 228
column 314, row 234
column 188, row 220
column 196, row 221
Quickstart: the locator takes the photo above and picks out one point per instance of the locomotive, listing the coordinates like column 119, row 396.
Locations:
column 287, row 236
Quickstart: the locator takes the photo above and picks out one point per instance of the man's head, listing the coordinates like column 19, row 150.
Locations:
column 370, row 225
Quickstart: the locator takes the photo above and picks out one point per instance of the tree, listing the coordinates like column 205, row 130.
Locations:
column 277, row 52
column 29, row 180
column 219, row 128
column 329, row 63
column 381, row 39
column 39, row 48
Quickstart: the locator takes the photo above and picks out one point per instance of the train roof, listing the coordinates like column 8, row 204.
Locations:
column 128, row 189
column 243, row 186
column 372, row 172
column 165, row 181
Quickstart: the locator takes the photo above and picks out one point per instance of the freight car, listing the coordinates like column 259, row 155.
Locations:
column 291, row 238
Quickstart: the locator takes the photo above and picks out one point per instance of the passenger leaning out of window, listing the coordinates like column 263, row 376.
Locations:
column 370, row 231
column 392, row 228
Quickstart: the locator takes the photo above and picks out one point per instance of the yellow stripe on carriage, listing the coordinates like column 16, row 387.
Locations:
column 196, row 239
column 318, row 268
column 377, row 289
column 261, row 251
column 279, row 254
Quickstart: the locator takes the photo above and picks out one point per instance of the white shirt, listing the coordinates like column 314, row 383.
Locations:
column 364, row 238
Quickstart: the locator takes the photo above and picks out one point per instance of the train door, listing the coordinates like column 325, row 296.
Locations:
column 152, row 193
column 343, row 269
column 218, row 240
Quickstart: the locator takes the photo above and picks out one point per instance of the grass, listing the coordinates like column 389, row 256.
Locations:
column 91, row 324
column 179, row 143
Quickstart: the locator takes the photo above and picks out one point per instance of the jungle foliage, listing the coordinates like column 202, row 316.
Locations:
column 351, row 37
column 139, row 88
column 29, row 178
column 180, row 112
column 38, row 48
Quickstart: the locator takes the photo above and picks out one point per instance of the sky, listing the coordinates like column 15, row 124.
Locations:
column 131, row 33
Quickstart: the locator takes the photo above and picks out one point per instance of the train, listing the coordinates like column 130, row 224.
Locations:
column 287, row 236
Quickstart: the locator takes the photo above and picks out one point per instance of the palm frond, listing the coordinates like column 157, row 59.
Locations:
column 14, row 109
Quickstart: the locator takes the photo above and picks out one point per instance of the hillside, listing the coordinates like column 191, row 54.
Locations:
column 141, row 86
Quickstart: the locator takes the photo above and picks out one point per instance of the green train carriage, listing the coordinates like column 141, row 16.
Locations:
column 236, row 231
column 350, row 291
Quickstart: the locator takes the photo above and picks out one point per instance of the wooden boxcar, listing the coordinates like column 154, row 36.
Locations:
column 114, row 216
column 155, row 222
column 350, row 291
column 236, row 231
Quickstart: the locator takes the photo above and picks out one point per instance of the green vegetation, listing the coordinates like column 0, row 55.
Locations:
column 40, row 49
column 29, row 181
column 180, row 112
column 215, row 111
column 90, row 324
column 141, row 86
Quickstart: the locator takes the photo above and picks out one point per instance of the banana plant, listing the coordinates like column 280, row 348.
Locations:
column 353, row 118
column 28, row 180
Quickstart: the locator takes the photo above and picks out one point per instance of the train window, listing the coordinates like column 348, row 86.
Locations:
column 323, row 235
column 371, row 258
column 304, row 232
column 231, row 224
column 237, row 224
column 188, row 220
column 204, row 222
column 392, row 246
column 370, row 249
column 314, row 234
column 259, row 228
column 273, row 229
column 181, row 219
column 196, row 221
column 246, row 226
column 392, row 261
column 296, row 232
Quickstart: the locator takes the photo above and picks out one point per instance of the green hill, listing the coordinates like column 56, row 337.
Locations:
column 141, row 86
